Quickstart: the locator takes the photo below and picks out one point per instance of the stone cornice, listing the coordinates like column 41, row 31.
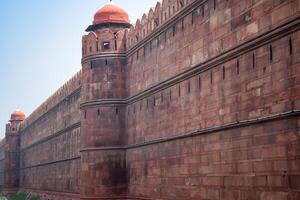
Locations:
column 50, row 163
column 103, row 56
column 233, row 125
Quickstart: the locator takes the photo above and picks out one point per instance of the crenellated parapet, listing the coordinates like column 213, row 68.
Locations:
column 156, row 17
column 68, row 88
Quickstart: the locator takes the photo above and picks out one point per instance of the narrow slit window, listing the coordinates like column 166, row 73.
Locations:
column 224, row 72
column 189, row 87
column 253, row 60
column 291, row 46
column 193, row 17
column 199, row 82
column 211, row 77
column 97, row 46
column 238, row 67
column 162, row 97
column 98, row 112
column 117, row 111
column 271, row 52
column 179, row 91
column 106, row 45
column 106, row 62
column 174, row 30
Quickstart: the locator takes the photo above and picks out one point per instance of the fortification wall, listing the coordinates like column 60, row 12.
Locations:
column 50, row 143
column 213, row 111
column 199, row 32
column 2, row 160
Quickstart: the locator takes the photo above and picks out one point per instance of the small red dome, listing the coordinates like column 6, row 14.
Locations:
column 17, row 116
column 111, row 13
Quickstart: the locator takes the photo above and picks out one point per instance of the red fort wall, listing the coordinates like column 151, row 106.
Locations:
column 199, row 100
column 50, row 145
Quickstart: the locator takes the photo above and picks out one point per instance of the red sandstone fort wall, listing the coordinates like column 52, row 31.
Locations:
column 220, row 69
column 50, row 143
column 2, row 160
column 212, row 110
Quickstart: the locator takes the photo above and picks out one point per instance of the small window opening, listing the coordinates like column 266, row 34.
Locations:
column 91, row 48
column 98, row 112
column 224, row 72
column 238, row 67
column 199, row 82
column 253, row 60
column 271, row 52
column 193, row 17
column 154, row 103
column 174, row 30
column 117, row 111
column 181, row 3
column 170, row 94
column 290, row 46
column 179, row 91
column 97, row 46
column 165, row 37
column 106, row 45
column 189, row 87
column 182, row 25
column 92, row 64
column 84, row 114
column 215, row 5
column 162, row 97
column 174, row 9
column 106, row 62
column 211, row 77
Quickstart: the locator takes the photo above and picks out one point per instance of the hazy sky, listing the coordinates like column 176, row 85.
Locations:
column 40, row 47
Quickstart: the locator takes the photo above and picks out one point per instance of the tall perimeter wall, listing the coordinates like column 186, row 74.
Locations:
column 200, row 100
column 213, row 103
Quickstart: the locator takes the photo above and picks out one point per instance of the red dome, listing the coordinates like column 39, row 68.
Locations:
column 17, row 116
column 110, row 13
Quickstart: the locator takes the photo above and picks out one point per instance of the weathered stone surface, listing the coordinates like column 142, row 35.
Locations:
column 205, row 109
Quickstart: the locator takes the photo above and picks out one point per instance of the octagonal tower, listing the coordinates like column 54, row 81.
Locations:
column 103, row 173
column 12, row 153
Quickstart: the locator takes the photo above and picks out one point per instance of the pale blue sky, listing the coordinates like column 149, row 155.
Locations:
column 40, row 47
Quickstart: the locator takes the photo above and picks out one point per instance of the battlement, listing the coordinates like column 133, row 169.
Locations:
column 70, row 86
column 156, row 17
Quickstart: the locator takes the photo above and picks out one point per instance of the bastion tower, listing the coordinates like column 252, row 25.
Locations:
column 12, row 156
column 103, row 172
